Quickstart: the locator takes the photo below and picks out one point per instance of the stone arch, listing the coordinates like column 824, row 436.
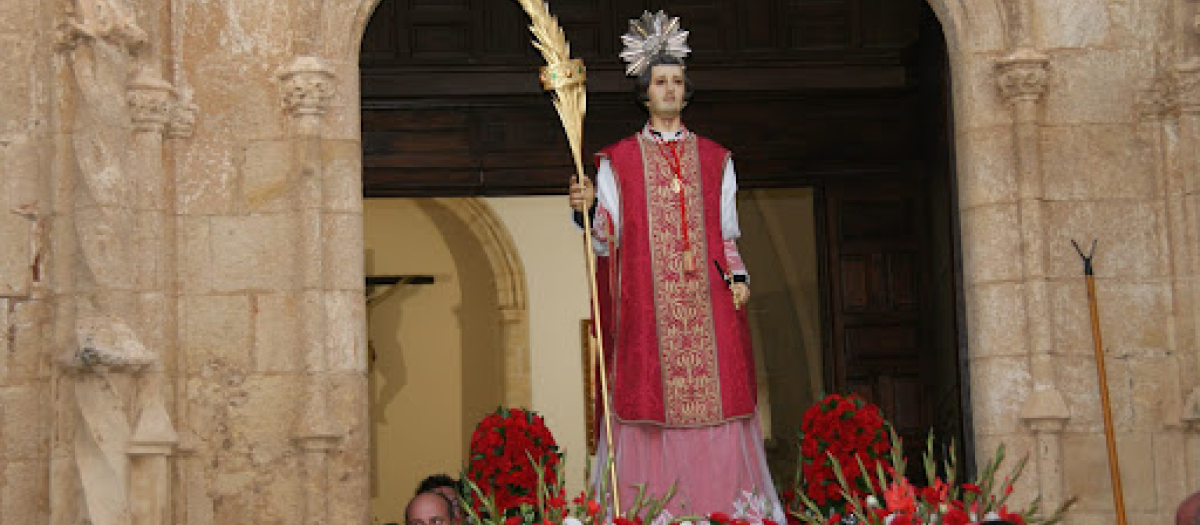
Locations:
column 511, row 294
column 975, row 32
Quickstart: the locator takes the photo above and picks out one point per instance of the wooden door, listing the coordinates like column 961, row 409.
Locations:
column 877, row 249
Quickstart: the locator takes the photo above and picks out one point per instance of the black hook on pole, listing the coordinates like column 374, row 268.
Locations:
column 1087, row 259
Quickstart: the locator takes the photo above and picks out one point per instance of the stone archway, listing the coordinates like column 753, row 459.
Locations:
column 978, row 36
column 510, row 293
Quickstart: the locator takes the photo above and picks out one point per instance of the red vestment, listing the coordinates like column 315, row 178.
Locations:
column 678, row 352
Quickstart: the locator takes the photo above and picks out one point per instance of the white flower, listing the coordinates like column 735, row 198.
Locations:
column 751, row 507
column 872, row 501
column 571, row 520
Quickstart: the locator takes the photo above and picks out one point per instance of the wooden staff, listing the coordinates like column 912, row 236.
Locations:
column 565, row 78
column 1114, row 467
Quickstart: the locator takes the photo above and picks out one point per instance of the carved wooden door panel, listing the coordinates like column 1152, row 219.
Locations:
column 877, row 249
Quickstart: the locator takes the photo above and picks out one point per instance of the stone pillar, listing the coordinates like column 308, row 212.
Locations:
column 1022, row 80
column 153, row 442
column 116, row 140
column 1188, row 76
column 514, row 324
column 307, row 85
column 150, row 448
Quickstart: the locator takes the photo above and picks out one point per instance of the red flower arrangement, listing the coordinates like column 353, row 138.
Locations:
column 889, row 498
column 839, row 433
column 513, row 456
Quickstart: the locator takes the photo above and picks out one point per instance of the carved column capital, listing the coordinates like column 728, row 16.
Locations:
column 307, row 85
column 149, row 99
column 1022, row 75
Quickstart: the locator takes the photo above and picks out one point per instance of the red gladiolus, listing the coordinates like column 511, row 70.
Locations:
column 718, row 518
column 955, row 516
column 937, row 493
column 900, row 497
column 1016, row 519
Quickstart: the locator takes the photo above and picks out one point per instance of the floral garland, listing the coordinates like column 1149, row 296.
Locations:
column 838, row 433
column 512, row 454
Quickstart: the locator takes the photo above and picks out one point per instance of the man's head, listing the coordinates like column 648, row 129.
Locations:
column 438, row 481
column 444, row 485
column 664, row 87
column 429, row 508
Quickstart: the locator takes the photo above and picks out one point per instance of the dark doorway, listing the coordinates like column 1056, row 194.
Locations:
column 844, row 99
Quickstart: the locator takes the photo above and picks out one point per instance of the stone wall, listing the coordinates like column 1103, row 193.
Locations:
column 27, row 99
column 1067, row 131
column 180, row 254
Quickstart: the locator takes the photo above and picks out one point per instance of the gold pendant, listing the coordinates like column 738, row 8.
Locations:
column 689, row 261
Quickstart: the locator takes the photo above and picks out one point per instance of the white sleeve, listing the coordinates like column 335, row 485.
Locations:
column 607, row 195
column 729, row 216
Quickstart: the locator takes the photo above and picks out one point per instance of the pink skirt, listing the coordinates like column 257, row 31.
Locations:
column 720, row 468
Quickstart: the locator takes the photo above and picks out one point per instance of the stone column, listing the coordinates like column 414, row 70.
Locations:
column 1188, row 76
column 152, row 444
column 1022, row 80
column 307, row 84
column 117, row 155
column 514, row 326
column 150, row 103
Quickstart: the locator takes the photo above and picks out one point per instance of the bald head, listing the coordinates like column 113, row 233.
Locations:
column 428, row 508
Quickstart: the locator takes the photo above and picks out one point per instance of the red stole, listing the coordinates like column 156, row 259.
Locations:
column 677, row 351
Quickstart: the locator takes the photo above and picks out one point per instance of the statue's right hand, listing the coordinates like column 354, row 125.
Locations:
column 582, row 193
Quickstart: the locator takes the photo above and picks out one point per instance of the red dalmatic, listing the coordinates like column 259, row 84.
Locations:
column 678, row 352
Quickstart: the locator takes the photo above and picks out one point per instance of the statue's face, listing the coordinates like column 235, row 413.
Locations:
column 666, row 91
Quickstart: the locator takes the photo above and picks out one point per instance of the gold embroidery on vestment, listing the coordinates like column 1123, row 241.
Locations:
column 683, row 304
